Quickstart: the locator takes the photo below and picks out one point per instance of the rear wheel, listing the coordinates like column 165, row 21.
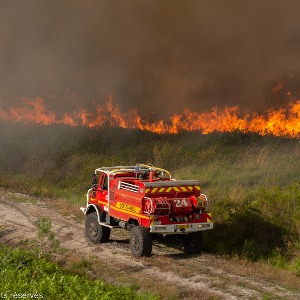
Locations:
column 193, row 243
column 95, row 232
column 140, row 241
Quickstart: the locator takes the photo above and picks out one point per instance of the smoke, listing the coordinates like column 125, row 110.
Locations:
column 159, row 56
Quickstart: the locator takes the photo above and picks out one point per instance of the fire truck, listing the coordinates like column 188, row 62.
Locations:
column 149, row 203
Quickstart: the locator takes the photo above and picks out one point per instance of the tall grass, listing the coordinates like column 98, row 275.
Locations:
column 252, row 181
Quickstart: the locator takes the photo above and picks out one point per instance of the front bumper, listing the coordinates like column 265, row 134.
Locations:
column 83, row 209
column 181, row 228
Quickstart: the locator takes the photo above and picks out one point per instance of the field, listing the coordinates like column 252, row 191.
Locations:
column 252, row 181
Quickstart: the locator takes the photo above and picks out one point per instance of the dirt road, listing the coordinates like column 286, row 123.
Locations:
column 167, row 272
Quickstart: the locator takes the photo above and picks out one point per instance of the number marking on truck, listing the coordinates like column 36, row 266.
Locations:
column 180, row 203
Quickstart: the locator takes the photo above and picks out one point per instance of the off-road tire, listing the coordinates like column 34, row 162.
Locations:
column 193, row 243
column 95, row 232
column 140, row 241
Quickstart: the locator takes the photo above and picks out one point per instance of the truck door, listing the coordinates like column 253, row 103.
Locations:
column 103, row 187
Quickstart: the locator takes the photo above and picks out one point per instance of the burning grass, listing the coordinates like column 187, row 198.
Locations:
column 252, row 181
column 277, row 122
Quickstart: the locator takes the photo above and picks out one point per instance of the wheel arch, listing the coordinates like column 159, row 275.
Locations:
column 92, row 208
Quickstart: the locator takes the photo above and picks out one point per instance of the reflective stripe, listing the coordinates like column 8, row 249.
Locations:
column 209, row 217
column 172, row 189
column 129, row 213
column 151, row 220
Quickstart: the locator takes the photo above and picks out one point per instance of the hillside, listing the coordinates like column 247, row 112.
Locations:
column 252, row 181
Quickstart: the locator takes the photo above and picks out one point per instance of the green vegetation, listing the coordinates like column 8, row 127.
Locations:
column 29, row 274
column 252, row 181
column 47, row 243
column 24, row 275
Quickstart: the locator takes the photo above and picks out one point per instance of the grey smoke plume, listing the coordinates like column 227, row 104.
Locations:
column 159, row 55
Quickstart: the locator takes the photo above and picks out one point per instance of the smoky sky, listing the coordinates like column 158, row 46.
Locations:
column 157, row 56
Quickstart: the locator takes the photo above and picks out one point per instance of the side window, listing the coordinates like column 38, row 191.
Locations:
column 103, row 182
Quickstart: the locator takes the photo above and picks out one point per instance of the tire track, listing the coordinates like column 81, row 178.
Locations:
column 189, row 277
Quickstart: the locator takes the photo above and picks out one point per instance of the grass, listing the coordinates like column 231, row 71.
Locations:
column 252, row 181
column 41, row 269
column 23, row 275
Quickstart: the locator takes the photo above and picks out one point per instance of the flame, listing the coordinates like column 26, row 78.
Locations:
column 281, row 122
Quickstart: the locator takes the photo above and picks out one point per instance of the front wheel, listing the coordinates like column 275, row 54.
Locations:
column 95, row 232
column 140, row 241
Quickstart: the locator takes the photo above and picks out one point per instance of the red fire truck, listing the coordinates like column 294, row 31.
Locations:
column 150, row 204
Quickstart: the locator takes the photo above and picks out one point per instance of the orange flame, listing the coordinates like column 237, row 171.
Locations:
column 282, row 122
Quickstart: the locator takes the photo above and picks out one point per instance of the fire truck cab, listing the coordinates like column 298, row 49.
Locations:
column 150, row 204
